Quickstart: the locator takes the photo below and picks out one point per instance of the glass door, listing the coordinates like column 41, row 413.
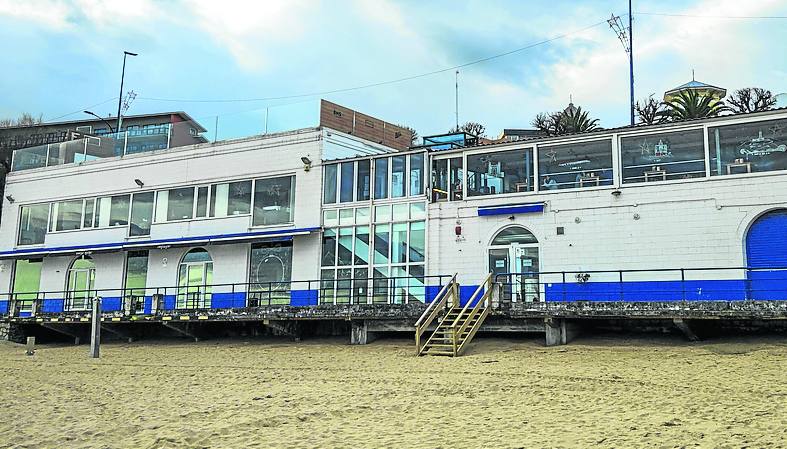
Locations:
column 524, row 261
column 194, row 284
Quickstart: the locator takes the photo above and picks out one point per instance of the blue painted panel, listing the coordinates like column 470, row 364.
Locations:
column 431, row 292
column 511, row 209
column 53, row 305
column 228, row 300
column 768, row 285
column 303, row 298
column 466, row 292
column 25, row 314
column 4, row 305
column 147, row 309
column 169, row 302
column 111, row 304
column 705, row 290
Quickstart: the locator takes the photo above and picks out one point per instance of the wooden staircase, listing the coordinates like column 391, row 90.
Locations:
column 458, row 325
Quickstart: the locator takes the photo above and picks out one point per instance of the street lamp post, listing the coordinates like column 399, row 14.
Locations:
column 111, row 131
column 122, row 76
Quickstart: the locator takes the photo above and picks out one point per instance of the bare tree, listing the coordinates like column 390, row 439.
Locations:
column 473, row 128
column 413, row 134
column 751, row 99
column 651, row 111
column 24, row 119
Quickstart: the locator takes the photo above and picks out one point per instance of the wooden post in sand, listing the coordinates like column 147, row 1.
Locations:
column 30, row 348
column 95, row 331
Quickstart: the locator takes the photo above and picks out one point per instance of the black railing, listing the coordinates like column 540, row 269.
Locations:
column 156, row 300
column 653, row 285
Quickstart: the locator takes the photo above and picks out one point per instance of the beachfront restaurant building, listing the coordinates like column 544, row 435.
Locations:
column 693, row 210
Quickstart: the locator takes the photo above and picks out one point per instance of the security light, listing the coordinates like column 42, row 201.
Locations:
column 616, row 192
column 9, row 198
column 139, row 182
column 307, row 163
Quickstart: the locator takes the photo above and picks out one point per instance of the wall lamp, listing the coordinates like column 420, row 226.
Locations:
column 616, row 192
column 307, row 163
column 9, row 198
column 139, row 182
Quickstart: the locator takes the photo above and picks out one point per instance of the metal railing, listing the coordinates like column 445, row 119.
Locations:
column 647, row 285
column 204, row 297
column 447, row 297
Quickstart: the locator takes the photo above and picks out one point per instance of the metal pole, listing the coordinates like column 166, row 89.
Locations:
column 266, row 121
column 631, row 63
column 95, row 331
column 122, row 77
column 456, row 98
column 216, row 130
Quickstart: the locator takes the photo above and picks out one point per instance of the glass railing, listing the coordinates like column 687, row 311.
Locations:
column 89, row 148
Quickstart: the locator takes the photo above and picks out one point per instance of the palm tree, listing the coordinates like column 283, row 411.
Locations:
column 688, row 104
column 575, row 120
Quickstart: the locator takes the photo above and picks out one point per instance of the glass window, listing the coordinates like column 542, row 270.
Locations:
column 180, row 204
column 398, row 176
column 401, row 211
column 381, row 178
column 364, row 181
column 345, row 250
column 417, row 241
column 663, row 156
column 141, row 213
column 416, row 174
column 346, row 217
column 219, row 196
column 271, row 270
column 136, row 279
column 67, row 215
column 239, row 198
column 202, row 202
column 27, row 278
column 417, row 211
column 382, row 240
column 329, row 184
column 118, row 212
column 382, row 213
column 575, row 165
column 362, row 215
column 102, row 212
column 330, row 218
column 748, row 147
column 399, row 243
column 87, row 220
column 361, row 245
column 329, row 248
column 513, row 234
column 500, row 172
column 456, row 187
column 347, row 179
column 273, row 200
column 440, row 180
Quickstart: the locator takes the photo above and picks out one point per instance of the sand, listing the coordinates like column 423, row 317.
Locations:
column 595, row 392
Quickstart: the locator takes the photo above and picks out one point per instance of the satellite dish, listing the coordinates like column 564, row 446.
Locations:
column 781, row 100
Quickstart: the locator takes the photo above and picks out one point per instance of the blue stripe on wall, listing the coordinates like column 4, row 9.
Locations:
column 228, row 300
column 4, row 305
column 54, row 305
column 147, row 308
column 705, row 290
column 466, row 292
column 111, row 304
column 511, row 209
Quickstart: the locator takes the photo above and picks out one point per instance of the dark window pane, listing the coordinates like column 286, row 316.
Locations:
column 239, row 198
column 118, row 212
column 329, row 248
column 416, row 174
column 348, row 175
column 273, row 200
column 180, row 204
column 329, row 184
column 202, row 201
column 141, row 213
column 364, row 180
column 398, row 176
column 500, row 172
column 381, row 178
column 748, row 147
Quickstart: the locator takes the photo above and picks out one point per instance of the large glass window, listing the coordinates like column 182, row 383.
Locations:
column 663, row 156
column 748, row 147
column 67, row 215
column 364, row 180
column 274, row 201
column 381, row 178
column 329, row 184
column 575, row 165
column 347, row 179
column 417, row 174
column 27, row 278
column 270, row 273
column 33, row 223
column 239, row 198
column 180, row 204
column 141, row 213
column 136, row 279
column 440, row 180
column 500, row 172
column 398, row 176
column 118, row 213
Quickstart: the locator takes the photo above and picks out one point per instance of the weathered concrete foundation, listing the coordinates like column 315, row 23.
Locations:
column 684, row 327
column 559, row 331
column 359, row 333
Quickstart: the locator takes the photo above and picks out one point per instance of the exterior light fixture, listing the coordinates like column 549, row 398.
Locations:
column 9, row 198
column 307, row 163
column 616, row 192
column 139, row 182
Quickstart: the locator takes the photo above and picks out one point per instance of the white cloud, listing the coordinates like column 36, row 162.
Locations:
column 51, row 14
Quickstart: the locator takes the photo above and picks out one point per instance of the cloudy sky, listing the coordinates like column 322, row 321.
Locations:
column 63, row 56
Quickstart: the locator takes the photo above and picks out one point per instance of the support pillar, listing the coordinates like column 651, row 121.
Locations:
column 559, row 331
column 95, row 329
column 359, row 333
column 686, row 329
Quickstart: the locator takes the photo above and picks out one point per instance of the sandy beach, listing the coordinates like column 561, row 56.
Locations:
column 595, row 392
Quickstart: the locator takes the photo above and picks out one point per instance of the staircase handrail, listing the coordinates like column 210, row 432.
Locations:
column 432, row 311
column 472, row 298
column 477, row 325
column 456, row 328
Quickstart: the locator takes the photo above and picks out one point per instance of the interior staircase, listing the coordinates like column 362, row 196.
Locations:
column 456, row 324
